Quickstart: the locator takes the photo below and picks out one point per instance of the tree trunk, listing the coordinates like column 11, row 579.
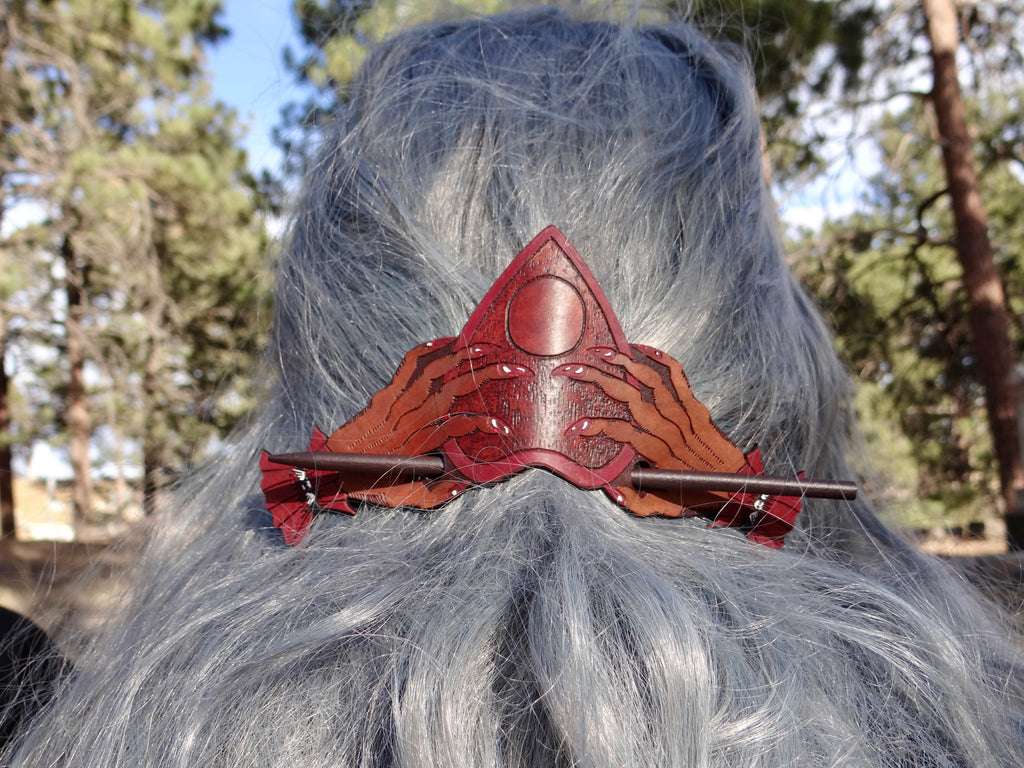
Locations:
column 6, row 424
column 152, row 435
column 150, row 479
column 988, row 313
column 76, row 409
column 6, row 436
column 150, row 449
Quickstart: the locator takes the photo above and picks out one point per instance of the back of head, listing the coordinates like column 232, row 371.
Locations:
column 533, row 623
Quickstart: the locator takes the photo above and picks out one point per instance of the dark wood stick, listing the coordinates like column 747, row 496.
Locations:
column 642, row 478
column 394, row 466
column 653, row 479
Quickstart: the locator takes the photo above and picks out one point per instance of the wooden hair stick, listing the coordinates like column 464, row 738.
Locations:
column 403, row 468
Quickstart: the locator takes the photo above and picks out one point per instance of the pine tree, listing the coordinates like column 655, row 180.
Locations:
column 898, row 275
column 890, row 280
column 985, row 295
column 148, row 213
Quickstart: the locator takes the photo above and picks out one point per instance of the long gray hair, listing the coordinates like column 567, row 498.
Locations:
column 533, row 623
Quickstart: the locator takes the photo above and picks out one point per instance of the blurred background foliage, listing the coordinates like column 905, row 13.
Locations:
column 135, row 300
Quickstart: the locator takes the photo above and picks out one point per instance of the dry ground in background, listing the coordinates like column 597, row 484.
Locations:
column 69, row 587
column 65, row 581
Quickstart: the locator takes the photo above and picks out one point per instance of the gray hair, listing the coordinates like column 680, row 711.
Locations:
column 533, row 623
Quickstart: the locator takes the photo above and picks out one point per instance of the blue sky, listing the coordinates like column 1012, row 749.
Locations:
column 248, row 72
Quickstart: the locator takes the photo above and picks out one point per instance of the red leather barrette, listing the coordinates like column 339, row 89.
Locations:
column 541, row 376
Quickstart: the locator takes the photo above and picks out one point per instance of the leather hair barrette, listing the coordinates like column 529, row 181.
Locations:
column 541, row 376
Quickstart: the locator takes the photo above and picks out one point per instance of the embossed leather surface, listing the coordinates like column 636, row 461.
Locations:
column 540, row 376
column 544, row 312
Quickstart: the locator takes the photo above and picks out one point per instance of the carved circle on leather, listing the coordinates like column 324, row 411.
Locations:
column 546, row 317
column 546, row 310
